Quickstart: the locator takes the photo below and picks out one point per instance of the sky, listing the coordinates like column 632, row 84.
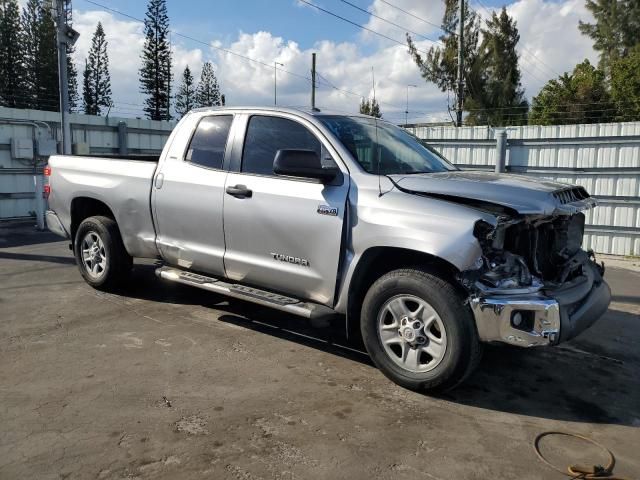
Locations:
column 242, row 38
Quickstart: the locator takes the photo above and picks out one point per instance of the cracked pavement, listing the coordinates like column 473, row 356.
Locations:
column 165, row 381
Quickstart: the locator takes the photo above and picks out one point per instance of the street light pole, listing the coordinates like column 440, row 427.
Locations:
column 406, row 112
column 275, row 81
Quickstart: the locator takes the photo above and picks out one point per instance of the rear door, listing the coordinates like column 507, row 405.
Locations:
column 285, row 233
column 188, row 195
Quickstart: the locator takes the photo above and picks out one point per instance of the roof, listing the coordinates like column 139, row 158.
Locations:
column 274, row 108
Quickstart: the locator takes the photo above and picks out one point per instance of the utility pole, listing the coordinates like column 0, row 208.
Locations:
column 63, row 38
column 460, row 64
column 313, row 81
column 406, row 112
column 275, row 81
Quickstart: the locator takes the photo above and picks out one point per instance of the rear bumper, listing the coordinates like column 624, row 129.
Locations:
column 552, row 316
column 54, row 224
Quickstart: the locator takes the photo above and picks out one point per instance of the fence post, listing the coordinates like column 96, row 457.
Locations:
column 123, row 148
column 501, row 150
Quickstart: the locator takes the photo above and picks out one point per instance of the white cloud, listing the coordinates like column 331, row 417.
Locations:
column 548, row 30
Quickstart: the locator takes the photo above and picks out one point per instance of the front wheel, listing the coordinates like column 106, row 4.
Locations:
column 100, row 254
column 418, row 331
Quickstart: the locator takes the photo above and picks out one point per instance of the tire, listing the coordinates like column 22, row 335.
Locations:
column 434, row 356
column 100, row 254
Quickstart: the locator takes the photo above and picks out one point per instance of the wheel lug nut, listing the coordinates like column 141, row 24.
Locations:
column 416, row 325
column 421, row 339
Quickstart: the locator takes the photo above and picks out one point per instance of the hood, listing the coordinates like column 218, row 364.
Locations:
column 524, row 195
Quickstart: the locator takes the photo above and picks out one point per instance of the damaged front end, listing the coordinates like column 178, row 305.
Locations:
column 534, row 284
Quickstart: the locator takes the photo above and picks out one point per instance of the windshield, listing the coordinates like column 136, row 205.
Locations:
column 387, row 149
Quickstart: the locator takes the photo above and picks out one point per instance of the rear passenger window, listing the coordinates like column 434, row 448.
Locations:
column 266, row 135
column 209, row 141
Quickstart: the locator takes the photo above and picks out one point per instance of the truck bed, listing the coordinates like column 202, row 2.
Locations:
column 122, row 184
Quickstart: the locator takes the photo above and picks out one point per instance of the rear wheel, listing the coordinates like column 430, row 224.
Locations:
column 100, row 254
column 418, row 331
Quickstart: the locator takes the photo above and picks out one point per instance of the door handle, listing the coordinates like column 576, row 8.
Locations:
column 239, row 191
column 159, row 181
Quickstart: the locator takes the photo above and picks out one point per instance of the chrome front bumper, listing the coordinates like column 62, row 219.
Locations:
column 554, row 316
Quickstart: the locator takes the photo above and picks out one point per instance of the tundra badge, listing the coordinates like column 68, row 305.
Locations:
column 326, row 210
column 289, row 259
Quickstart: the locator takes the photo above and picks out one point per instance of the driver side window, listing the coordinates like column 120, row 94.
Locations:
column 266, row 135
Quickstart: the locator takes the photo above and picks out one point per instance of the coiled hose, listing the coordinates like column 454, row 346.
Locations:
column 581, row 472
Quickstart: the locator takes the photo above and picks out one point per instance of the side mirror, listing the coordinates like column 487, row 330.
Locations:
column 302, row 163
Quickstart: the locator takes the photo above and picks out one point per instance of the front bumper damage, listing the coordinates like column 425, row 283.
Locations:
column 534, row 285
column 546, row 317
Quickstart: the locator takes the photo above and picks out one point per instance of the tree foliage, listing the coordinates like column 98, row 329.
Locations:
column 72, row 72
column 579, row 97
column 155, row 73
column 625, row 85
column 370, row 107
column 616, row 29
column 97, row 81
column 12, row 72
column 208, row 92
column 501, row 99
column 440, row 64
column 186, row 96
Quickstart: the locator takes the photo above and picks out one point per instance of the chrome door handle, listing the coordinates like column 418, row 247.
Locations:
column 159, row 181
column 239, row 191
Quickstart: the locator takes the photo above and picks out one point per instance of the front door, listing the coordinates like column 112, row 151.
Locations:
column 189, row 193
column 283, row 233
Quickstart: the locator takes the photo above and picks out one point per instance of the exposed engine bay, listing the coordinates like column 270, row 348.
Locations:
column 529, row 254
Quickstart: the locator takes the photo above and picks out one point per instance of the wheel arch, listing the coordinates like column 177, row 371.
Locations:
column 85, row 207
column 375, row 262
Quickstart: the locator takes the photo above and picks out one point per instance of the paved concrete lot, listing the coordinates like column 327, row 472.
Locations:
column 164, row 381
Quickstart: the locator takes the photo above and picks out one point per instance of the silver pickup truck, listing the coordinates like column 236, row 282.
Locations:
column 316, row 214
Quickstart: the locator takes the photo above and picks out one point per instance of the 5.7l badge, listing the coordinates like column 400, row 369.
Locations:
column 326, row 210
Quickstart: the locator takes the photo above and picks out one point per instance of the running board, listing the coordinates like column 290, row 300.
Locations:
column 250, row 294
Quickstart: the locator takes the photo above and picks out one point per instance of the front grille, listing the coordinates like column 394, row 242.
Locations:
column 571, row 194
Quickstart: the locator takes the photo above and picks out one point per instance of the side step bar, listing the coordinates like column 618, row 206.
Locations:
column 250, row 294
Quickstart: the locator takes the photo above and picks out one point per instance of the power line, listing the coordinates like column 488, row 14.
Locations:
column 439, row 27
column 390, row 22
column 247, row 58
column 207, row 44
column 328, row 12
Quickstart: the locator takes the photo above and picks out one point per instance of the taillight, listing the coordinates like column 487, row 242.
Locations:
column 46, row 191
column 47, row 171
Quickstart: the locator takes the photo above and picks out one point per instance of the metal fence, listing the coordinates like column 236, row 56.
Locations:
column 604, row 158
column 93, row 135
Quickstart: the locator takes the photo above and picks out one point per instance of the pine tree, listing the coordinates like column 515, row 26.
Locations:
column 97, row 81
column 370, row 107
column 87, row 93
column 47, row 85
column 40, row 56
column 208, row 92
column 440, row 66
column 12, row 73
column 501, row 101
column 29, row 20
column 185, row 98
column 72, row 72
column 155, row 74
column 616, row 29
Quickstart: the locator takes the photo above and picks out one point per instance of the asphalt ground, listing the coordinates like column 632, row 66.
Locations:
column 166, row 381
